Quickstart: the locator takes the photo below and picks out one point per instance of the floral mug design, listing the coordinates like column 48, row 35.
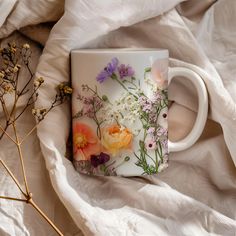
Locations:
column 119, row 114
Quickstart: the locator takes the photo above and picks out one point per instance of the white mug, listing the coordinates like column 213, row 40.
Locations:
column 119, row 109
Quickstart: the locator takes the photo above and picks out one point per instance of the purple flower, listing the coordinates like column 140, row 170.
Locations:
column 108, row 71
column 162, row 131
column 111, row 67
column 157, row 97
column 164, row 144
column 92, row 104
column 125, row 71
column 103, row 75
column 100, row 159
column 151, row 130
column 146, row 104
column 152, row 116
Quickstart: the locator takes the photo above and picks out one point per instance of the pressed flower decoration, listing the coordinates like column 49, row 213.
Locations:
column 131, row 128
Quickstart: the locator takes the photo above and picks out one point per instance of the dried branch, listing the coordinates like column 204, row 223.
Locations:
column 13, row 198
column 13, row 177
column 4, row 132
column 12, row 56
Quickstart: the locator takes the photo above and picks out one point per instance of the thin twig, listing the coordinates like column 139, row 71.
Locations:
column 5, row 129
column 27, row 105
column 30, row 201
column 28, row 134
column 13, row 198
column 5, row 132
column 13, row 177
column 21, row 158
column 7, row 115
column 11, row 118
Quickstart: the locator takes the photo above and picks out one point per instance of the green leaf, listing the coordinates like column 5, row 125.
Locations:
column 148, row 69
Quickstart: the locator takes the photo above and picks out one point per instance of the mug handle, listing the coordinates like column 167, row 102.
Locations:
column 200, row 122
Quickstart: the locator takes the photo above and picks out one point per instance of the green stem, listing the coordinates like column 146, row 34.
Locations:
column 131, row 83
column 95, row 93
column 97, row 122
column 114, row 76
column 160, row 154
column 156, row 161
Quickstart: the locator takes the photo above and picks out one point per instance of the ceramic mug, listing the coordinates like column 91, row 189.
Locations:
column 120, row 111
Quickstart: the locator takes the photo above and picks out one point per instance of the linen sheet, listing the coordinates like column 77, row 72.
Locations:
column 196, row 195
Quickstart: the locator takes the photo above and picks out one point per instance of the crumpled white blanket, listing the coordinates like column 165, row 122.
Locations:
column 196, row 195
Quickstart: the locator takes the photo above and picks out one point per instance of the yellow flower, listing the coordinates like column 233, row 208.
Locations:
column 7, row 88
column 116, row 138
column 26, row 46
column 15, row 69
column 38, row 81
column 6, row 62
column 67, row 90
column 2, row 74
column 13, row 50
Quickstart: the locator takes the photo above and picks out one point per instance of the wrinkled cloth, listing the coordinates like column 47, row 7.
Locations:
column 196, row 195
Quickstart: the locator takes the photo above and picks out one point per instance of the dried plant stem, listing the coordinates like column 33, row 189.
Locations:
column 31, row 202
column 28, row 134
column 13, row 177
column 21, row 158
column 10, row 74
column 5, row 109
column 28, row 195
column 28, row 199
column 5, row 132
column 13, row 198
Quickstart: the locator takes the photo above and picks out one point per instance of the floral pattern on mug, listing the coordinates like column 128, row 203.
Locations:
column 159, row 73
column 85, row 141
column 116, row 138
column 131, row 128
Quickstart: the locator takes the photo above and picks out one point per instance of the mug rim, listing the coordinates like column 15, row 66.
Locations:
column 162, row 52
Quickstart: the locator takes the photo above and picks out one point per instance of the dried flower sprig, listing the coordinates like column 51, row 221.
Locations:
column 12, row 59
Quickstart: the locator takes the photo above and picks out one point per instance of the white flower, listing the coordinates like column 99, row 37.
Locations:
column 162, row 118
column 38, row 81
column 125, row 109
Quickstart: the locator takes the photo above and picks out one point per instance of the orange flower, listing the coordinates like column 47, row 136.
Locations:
column 115, row 138
column 85, row 142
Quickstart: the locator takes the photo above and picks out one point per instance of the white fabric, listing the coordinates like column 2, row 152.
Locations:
column 197, row 194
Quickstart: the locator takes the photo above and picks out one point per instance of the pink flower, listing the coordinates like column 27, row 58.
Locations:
column 163, row 118
column 159, row 73
column 150, row 144
column 85, row 142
